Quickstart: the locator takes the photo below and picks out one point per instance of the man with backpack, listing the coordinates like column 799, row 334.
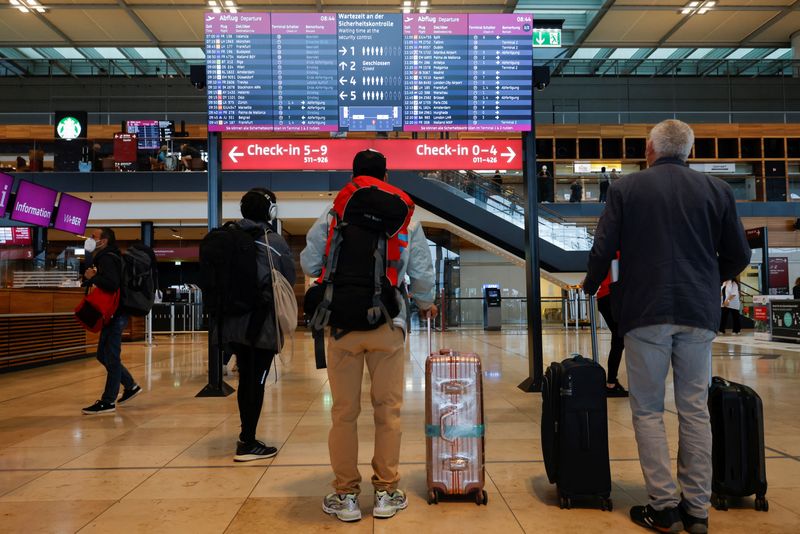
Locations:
column 238, row 292
column 106, row 272
column 361, row 251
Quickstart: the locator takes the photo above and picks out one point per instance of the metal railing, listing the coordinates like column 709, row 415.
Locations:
column 503, row 202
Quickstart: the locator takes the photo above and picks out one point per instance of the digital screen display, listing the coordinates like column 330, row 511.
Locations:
column 16, row 235
column 293, row 72
column 34, row 204
column 150, row 133
column 72, row 214
column 6, row 183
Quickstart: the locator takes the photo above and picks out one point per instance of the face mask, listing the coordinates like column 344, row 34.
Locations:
column 90, row 245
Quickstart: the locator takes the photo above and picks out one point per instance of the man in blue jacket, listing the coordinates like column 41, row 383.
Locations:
column 679, row 235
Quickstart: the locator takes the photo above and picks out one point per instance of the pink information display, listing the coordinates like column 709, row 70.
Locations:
column 325, row 72
column 72, row 214
column 34, row 204
column 6, row 183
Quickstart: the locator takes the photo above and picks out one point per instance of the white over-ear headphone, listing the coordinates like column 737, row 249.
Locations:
column 272, row 211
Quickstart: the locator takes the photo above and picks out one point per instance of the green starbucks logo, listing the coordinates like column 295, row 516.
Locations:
column 787, row 319
column 68, row 128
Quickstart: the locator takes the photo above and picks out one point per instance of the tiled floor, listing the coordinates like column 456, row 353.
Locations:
column 164, row 462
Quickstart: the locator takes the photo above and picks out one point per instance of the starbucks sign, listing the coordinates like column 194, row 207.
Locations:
column 70, row 125
column 69, row 128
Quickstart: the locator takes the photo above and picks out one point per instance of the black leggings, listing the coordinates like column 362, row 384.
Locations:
column 253, row 367
column 737, row 320
column 617, row 341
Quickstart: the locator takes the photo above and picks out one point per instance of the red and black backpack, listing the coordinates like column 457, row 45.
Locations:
column 358, row 286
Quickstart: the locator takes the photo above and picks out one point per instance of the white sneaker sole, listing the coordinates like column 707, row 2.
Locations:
column 341, row 517
column 130, row 398
column 253, row 457
column 390, row 512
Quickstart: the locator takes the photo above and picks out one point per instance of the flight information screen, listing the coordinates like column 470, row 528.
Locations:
column 296, row 72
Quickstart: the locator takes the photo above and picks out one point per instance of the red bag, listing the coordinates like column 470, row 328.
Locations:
column 97, row 308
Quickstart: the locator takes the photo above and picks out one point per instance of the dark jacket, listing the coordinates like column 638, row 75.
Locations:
column 108, row 262
column 257, row 329
column 678, row 235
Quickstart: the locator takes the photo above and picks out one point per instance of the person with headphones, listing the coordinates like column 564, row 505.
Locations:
column 252, row 337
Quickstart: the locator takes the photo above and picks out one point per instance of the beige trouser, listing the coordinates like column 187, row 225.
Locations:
column 383, row 350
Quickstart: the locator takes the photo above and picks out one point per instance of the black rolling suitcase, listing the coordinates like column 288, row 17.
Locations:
column 737, row 428
column 575, row 427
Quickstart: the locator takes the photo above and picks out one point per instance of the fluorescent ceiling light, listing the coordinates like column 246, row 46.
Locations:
column 693, row 4
column 423, row 10
column 686, row 11
column 406, row 10
column 407, row 3
column 212, row 3
column 230, row 3
column 702, row 11
column 424, row 3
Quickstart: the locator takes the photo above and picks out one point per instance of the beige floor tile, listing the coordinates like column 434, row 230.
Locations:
column 80, row 485
column 49, row 517
column 167, row 516
column 197, row 420
column 72, row 436
column 39, row 458
column 160, row 436
column 783, row 473
column 293, row 514
column 215, row 450
column 199, row 483
column 11, row 480
column 304, row 481
column 108, row 456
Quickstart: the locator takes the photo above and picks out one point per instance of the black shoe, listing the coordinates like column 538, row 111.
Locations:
column 99, row 408
column 667, row 520
column 692, row 524
column 247, row 452
column 616, row 391
column 128, row 394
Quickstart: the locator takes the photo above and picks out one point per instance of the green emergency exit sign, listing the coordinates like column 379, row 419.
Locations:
column 546, row 38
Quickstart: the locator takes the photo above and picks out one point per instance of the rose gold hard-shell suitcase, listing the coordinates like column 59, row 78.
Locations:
column 454, row 427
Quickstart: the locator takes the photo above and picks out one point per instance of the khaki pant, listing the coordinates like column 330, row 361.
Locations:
column 383, row 350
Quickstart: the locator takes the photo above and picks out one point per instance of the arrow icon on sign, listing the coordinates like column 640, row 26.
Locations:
column 342, row 96
column 342, row 80
column 233, row 154
column 510, row 154
column 342, row 65
column 540, row 39
column 343, row 51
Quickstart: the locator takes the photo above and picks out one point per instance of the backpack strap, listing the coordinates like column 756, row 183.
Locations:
column 378, row 308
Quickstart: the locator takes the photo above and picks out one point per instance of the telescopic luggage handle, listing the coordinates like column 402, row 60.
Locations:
column 593, row 326
column 430, row 338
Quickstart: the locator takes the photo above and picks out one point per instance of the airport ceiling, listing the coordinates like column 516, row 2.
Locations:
column 172, row 30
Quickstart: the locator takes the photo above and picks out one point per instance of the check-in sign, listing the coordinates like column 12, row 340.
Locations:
column 401, row 154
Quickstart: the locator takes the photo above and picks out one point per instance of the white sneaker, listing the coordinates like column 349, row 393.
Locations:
column 387, row 504
column 344, row 507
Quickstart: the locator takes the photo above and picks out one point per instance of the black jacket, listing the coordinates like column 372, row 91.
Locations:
column 109, row 268
column 678, row 235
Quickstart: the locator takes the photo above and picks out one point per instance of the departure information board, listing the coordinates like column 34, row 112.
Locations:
column 296, row 72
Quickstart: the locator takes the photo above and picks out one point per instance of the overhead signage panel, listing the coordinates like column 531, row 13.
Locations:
column 402, row 154
column 298, row 72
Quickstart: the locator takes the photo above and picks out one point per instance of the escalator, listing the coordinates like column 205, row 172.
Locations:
column 482, row 208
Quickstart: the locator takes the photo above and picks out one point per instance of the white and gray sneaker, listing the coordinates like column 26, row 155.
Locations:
column 388, row 503
column 344, row 506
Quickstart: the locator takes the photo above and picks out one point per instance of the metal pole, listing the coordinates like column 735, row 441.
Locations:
column 216, row 386
column 149, row 327
column 532, row 275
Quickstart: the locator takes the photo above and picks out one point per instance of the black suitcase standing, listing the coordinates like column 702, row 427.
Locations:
column 737, row 429
column 575, row 427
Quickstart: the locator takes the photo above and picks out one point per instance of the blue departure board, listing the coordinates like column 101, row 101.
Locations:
column 296, row 72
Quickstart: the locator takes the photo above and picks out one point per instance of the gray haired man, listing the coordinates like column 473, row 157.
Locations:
column 678, row 235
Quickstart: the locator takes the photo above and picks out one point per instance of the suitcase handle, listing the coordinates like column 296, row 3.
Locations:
column 593, row 326
column 430, row 338
column 442, row 419
column 455, row 387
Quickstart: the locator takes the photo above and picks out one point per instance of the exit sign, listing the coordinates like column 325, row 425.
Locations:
column 546, row 38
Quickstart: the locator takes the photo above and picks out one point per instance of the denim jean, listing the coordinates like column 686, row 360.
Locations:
column 650, row 351
column 109, row 353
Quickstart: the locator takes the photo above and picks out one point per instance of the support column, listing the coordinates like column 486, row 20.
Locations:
column 532, row 274
column 39, row 246
column 216, row 386
column 147, row 233
column 796, row 53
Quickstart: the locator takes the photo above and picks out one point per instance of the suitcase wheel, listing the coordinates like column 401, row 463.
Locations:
column 762, row 504
column 719, row 503
column 564, row 502
column 481, row 497
column 606, row 505
column 433, row 496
